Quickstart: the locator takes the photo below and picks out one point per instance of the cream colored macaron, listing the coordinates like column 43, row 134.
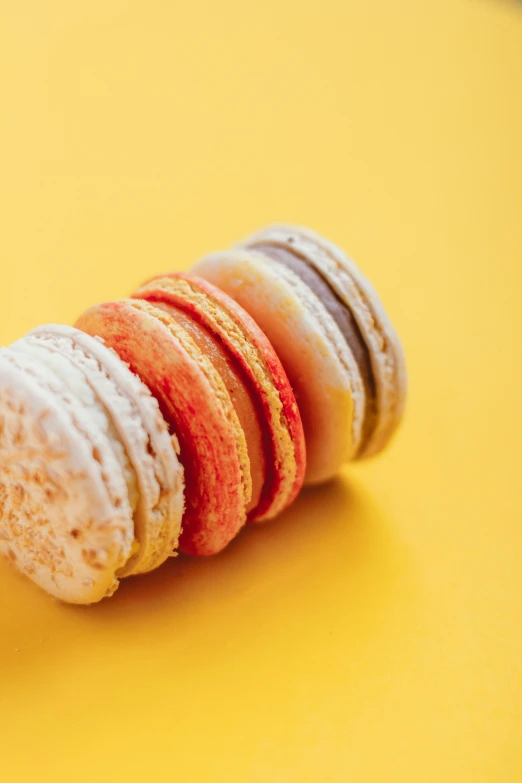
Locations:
column 327, row 325
column 60, row 386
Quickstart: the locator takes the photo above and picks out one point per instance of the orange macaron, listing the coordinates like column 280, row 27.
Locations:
column 224, row 394
column 197, row 409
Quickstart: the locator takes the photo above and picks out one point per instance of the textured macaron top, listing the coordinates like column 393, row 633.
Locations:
column 358, row 312
column 65, row 518
column 126, row 412
column 258, row 372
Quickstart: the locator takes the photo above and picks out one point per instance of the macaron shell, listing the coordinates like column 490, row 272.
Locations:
column 233, row 380
column 136, row 417
column 267, row 381
column 74, row 380
column 318, row 363
column 196, row 405
column 385, row 349
column 64, row 520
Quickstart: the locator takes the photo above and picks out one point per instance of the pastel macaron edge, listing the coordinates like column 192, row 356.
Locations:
column 322, row 371
column 353, row 289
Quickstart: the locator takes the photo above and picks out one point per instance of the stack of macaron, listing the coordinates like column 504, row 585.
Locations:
column 204, row 401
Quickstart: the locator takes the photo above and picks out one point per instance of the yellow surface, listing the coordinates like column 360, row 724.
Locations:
column 374, row 633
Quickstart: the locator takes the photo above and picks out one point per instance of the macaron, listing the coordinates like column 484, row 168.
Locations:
column 331, row 333
column 71, row 513
column 198, row 409
column 129, row 415
column 254, row 379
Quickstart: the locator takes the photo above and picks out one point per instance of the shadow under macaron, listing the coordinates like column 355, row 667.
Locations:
column 330, row 568
column 333, row 536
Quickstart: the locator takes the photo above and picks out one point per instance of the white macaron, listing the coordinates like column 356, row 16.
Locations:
column 61, row 385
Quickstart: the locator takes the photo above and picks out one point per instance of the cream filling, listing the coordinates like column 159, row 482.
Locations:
column 77, row 383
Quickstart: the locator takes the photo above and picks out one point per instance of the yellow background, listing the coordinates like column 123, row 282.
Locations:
column 373, row 633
